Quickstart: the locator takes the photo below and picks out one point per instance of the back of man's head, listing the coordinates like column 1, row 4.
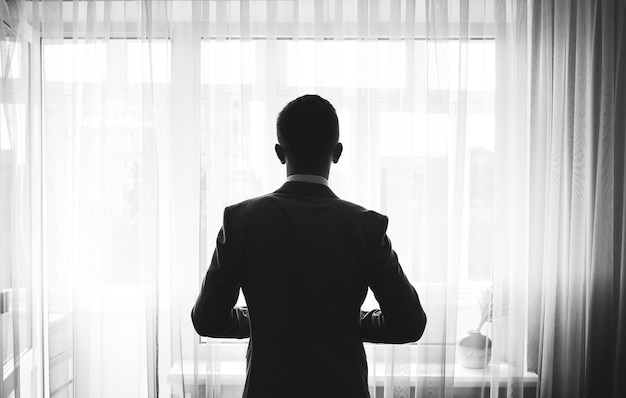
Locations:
column 308, row 128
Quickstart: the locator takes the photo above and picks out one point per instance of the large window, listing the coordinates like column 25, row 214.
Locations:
column 406, row 143
column 148, row 140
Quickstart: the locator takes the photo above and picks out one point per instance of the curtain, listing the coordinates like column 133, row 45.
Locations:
column 577, row 296
column 106, row 114
column 20, row 201
column 159, row 114
column 414, row 86
column 489, row 131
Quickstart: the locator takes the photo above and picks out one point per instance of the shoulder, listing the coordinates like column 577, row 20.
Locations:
column 359, row 211
column 366, row 218
column 371, row 224
column 246, row 206
column 365, row 213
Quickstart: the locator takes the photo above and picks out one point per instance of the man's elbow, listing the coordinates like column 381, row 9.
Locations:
column 410, row 330
column 202, row 327
column 217, row 325
column 418, row 326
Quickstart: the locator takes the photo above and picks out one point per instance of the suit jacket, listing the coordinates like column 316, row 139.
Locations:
column 304, row 260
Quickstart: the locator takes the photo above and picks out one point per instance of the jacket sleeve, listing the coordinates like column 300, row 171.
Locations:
column 401, row 318
column 215, row 314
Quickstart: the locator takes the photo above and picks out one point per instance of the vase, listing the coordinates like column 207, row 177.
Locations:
column 474, row 350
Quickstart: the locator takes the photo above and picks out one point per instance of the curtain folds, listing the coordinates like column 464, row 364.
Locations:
column 105, row 71
column 491, row 132
column 577, row 183
column 20, row 201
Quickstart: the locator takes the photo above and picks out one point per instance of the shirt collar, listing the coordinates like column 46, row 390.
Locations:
column 308, row 178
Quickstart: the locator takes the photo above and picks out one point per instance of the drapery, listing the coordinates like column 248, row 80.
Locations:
column 576, row 139
column 158, row 114
column 20, row 208
column 483, row 129
column 106, row 139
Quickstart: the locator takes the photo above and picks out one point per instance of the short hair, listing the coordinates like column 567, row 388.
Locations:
column 308, row 127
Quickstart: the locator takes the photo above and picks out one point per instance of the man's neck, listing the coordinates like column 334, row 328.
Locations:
column 322, row 171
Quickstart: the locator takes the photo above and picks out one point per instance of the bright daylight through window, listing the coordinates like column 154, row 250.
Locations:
column 109, row 105
column 412, row 138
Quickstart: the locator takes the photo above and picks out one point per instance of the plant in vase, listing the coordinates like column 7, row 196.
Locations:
column 474, row 350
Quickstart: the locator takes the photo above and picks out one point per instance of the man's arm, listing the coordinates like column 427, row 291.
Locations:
column 215, row 314
column 401, row 318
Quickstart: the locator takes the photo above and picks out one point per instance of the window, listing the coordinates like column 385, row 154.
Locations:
column 123, row 137
column 408, row 142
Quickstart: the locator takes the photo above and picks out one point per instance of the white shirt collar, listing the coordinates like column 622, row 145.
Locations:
column 308, row 178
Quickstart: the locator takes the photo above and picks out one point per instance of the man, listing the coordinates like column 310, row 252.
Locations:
column 304, row 259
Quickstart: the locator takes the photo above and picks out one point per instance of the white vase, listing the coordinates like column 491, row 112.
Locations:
column 474, row 350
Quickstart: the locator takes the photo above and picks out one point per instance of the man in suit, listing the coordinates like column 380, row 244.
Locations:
column 304, row 259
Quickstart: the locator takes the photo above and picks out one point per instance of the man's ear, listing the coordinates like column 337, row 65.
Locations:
column 280, row 152
column 337, row 152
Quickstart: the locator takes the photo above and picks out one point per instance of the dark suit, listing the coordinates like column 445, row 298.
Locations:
column 304, row 260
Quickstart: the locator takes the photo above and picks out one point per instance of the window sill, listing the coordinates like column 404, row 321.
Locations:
column 233, row 373
column 9, row 381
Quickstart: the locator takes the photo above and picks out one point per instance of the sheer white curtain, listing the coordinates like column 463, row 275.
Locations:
column 479, row 127
column 158, row 114
column 106, row 114
column 20, row 178
column 414, row 86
